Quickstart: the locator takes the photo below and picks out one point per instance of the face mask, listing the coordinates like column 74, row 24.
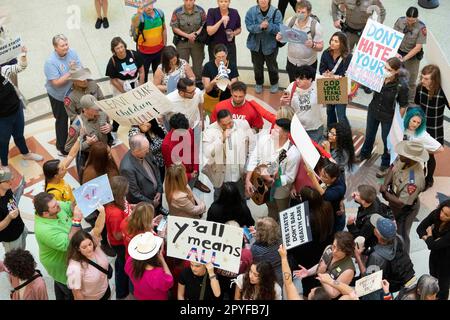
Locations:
column 301, row 16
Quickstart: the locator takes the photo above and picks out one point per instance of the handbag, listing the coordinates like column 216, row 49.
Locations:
column 108, row 272
column 209, row 102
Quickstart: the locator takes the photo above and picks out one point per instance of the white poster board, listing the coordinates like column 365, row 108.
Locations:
column 10, row 49
column 303, row 142
column 137, row 106
column 295, row 226
column 377, row 44
column 369, row 283
column 92, row 193
column 205, row 241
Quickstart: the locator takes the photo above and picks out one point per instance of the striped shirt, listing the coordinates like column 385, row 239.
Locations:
column 152, row 33
column 434, row 107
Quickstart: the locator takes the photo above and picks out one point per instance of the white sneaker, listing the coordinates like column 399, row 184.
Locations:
column 33, row 156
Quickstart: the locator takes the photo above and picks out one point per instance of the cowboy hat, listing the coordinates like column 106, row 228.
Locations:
column 80, row 74
column 144, row 246
column 412, row 150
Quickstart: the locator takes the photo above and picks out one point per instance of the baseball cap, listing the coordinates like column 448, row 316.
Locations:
column 88, row 101
column 5, row 174
column 385, row 227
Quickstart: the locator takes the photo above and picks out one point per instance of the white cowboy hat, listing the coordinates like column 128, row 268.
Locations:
column 412, row 150
column 144, row 246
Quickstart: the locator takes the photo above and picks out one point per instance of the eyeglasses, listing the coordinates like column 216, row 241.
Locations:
column 189, row 92
column 331, row 133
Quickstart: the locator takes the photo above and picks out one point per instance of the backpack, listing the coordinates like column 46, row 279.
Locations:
column 136, row 32
column 314, row 22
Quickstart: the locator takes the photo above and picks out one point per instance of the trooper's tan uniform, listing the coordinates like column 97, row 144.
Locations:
column 417, row 34
column 73, row 97
column 355, row 16
column 84, row 127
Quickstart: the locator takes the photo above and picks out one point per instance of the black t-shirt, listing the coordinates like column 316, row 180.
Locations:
column 15, row 227
column 210, row 70
column 193, row 286
column 9, row 100
column 124, row 69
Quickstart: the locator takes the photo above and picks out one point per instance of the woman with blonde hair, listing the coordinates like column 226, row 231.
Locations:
column 182, row 202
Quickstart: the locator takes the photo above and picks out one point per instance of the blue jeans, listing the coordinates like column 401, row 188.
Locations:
column 316, row 135
column 12, row 125
column 339, row 222
column 336, row 113
column 371, row 133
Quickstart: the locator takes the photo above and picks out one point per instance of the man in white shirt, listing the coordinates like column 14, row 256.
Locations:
column 227, row 144
column 301, row 95
column 275, row 149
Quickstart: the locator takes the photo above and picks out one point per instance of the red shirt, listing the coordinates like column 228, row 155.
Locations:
column 171, row 151
column 244, row 112
column 114, row 217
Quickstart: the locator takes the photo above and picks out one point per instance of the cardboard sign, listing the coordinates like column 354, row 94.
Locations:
column 377, row 44
column 92, row 193
column 293, row 35
column 139, row 3
column 204, row 241
column 369, row 284
column 303, row 142
column 332, row 91
column 10, row 49
column 295, row 226
column 137, row 106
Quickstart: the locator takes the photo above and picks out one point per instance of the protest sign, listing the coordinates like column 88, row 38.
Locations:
column 332, row 91
column 139, row 3
column 306, row 148
column 92, row 193
column 292, row 35
column 295, row 226
column 369, row 284
column 10, row 49
column 204, row 241
column 377, row 44
column 137, row 106
column 395, row 133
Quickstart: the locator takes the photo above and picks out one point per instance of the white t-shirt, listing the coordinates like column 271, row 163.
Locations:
column 240, row 281
column 188, row 107
column 429, row 143
column 299, row 54
column 304, row 103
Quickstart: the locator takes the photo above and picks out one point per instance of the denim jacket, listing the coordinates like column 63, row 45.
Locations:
column 262, row 39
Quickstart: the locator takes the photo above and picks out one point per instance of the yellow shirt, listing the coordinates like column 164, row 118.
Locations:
column 62, row 191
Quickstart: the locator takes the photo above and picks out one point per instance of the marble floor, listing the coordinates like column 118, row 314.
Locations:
column 46, row 18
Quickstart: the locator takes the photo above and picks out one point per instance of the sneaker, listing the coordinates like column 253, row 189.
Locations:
column 33, row 156
column 258, row 88
column 108, row 250
column 382, row 172
column 105, row 23
column 62, row 153
column 361, row 158
column 274, row 88
column 98, row 23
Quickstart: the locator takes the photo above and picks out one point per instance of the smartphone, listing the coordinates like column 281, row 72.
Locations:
column 247, row 234
column 162, row 224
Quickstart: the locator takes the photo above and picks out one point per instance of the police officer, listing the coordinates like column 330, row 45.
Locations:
column 82, row 85
column 403, row 184
column 90, row 126
column 187, row 23
column 356, row 14
column 411, row 48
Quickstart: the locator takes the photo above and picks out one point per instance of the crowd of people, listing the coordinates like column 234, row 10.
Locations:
column 241, row 159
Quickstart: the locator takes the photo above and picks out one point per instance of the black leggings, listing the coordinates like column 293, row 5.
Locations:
column 431, row 167
column 282, row 5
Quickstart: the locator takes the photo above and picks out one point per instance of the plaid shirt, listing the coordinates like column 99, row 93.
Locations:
column 434, row 111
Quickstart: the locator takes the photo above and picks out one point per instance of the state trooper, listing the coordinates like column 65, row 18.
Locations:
column 411, row 48
column 90, row 126
column 403, row 184
column 82, row 84
column 356, row 14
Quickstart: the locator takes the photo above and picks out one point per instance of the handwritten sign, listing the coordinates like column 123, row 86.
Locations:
column 10, row 49
column 377, row 44
column 369, row 284
column 301, row 138
column 292, row 35
column 295, row 226
column 92, row 193
column 137, row 106
column 139, row 3
column 204, row 241
column 332, row 91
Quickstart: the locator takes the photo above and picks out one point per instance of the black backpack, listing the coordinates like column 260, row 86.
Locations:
column 140, row 29
column 400, row 269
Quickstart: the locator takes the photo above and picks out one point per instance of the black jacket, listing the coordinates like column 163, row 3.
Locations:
column 9, row 101
column 383, row 102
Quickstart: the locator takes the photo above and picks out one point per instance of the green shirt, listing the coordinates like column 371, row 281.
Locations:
column 52, row 236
